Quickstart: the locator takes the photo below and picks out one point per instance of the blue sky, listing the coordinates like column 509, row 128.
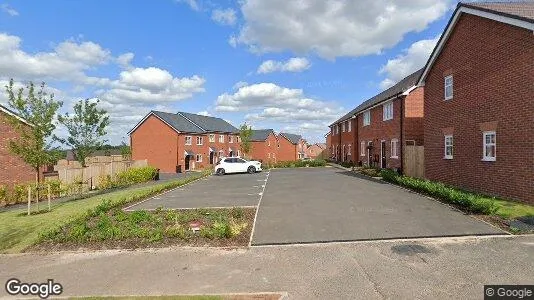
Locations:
column 289, row 65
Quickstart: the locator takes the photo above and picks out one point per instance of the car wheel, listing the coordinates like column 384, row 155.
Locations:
column 251, row 170
column 220, row 171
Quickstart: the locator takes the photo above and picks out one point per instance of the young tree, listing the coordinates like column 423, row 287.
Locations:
column 126, row 151
column 35, row 143
column 245, row 134
column 86, row 128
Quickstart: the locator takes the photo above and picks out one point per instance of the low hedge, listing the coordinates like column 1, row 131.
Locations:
column 127, row 177
column 472, row 202
column 298, row 164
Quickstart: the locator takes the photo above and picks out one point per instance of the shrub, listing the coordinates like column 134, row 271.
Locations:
column 136, row 175
column 3, row 194
column 472, row 202
column 299, row 164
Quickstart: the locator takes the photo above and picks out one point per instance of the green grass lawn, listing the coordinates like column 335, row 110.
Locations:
column 19, row 231
column 512, row 210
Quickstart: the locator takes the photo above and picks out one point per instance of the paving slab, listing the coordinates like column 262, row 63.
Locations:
column 311, row 205
column 230, row 190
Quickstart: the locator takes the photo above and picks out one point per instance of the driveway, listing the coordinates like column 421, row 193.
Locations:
column 310, row 205
column 233, row 190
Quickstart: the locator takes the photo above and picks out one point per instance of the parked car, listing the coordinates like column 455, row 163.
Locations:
column 229, row 165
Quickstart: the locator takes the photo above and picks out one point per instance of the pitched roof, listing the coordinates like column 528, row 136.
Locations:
column 260, row 134
column 519, row 14
column 321, row 145
column 402, row 86
column 191, row 123
column 293, row 138
column 521, row 10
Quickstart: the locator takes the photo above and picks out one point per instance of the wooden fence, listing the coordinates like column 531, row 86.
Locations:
column 99, row 166
column 414, row 161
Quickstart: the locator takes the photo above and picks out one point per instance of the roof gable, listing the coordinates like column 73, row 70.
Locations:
column 520, row 14
column 292, row 138
column 260, row 135
column 11, row 113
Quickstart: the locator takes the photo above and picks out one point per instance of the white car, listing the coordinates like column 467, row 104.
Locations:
column 237, row 165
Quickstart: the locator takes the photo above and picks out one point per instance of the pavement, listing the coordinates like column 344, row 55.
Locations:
column 309, row 205
column 443, row 268
column 243, row 190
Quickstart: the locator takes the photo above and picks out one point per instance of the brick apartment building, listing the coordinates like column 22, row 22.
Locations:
column 183, row 141
column 13, row 170
column 264, row 146
column 375, row 132
column 329, row 148
column 479, row 101
column 291, row 147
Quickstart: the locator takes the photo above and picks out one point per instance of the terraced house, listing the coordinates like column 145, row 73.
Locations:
column 376, row 131
column 479, row 101
column 291, row 147
column 264, row 145
column 183, row 141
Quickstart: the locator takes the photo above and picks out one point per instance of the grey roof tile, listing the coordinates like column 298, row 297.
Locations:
column 260, row 134
column 293, row 138
column 192, row 123
column 520, row 10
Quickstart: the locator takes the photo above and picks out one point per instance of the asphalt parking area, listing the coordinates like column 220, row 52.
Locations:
column 231, row 190
column 310, row 205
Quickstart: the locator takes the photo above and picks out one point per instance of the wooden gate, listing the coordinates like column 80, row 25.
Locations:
column 414, row 161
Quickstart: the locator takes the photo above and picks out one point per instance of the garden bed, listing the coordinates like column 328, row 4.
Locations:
column 117, row 229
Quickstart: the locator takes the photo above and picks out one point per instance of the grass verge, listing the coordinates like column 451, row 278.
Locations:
column 18, row 231
column 109, row 227
column 467, row 201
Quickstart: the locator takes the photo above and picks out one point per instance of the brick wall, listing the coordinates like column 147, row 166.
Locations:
column 13, row 170
column 287, row 151
column 266, row 151
column 493, row 77
column 413, row 116
column 222, row 149
column 380, row 130
column 157, row 142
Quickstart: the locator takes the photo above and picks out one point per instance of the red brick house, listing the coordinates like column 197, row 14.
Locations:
column 329, row 148
column 13, row 170
column 183, row 141
column 479, row 101
column 316, row 150
column 375, row 132
column 291, row 147
column 264, row 146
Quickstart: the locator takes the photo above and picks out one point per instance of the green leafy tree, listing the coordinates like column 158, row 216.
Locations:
column 126, row 151
column 38, row 109
column 86, row 128
column 245, row 134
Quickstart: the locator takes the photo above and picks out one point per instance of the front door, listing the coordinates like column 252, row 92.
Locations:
column 212, row 156
column 383, row 154
column 187, row 159
column 231, row 154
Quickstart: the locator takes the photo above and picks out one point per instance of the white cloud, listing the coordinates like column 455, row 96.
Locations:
column 408, row 62
column 334, row 28
column 204, row 113
column 224, row 16
column 6, row 8
column 193, row 4
column 239, row 84
column 125, row 60
column 269, row 105
column 295, row 64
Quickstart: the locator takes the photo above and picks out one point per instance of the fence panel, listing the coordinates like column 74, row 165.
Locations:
column 414, row 161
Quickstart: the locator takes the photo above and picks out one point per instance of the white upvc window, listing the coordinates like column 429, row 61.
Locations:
column 367, row 118
column 350, row 150
column 221, row 138
column 349, row 123
column 337, row 128
column 490, row 146
column 188, row 140
column 199, row 157
column 230, row 139
column 448, row 87
column 449, row 146
column 394, row 150
column 238, row 139
column 212, row 138
column 362, row 148
column 343, row 127
column 200, row 140
column 387, row 110
column 332, row 130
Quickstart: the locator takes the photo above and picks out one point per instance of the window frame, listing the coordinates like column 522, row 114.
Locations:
column 362, row 148
column 221, row 138
column 343, row 126
column 190, row 139
column 445, row 86
column 367, row 118
column 387, row 111
column 200, row 140
column 349, row 150
column 230, row 139
column 197, row 158
column 485, row 144
column 445, row 155
column 394, row 148
column 212, row 138
column 349, row 123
